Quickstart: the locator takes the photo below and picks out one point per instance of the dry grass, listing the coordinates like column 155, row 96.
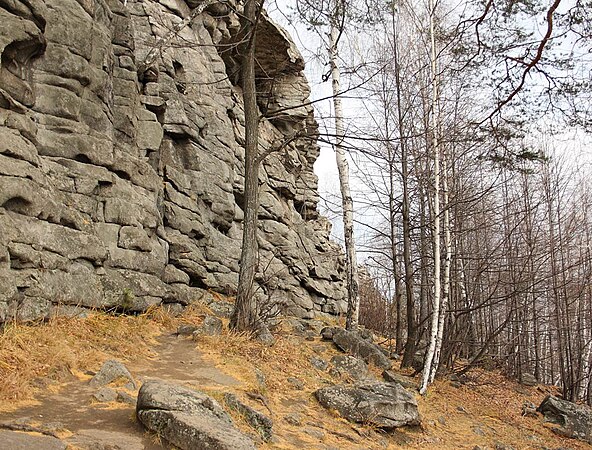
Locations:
column 32, row 355
column 489, row 402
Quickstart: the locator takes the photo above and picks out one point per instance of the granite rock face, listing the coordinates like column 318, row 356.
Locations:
column 121, row 172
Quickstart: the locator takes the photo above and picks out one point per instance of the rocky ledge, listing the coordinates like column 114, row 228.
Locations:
column 121, row 161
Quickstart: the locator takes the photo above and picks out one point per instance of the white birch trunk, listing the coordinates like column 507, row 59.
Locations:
column 447, row 261
column 353, row 304
column 436, row 212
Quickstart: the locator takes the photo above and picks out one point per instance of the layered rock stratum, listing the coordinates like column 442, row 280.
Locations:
column 122, row 160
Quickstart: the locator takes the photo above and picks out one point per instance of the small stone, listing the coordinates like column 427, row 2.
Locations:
column 319, row 363
column 315, row 433
column 221, row 309
column 501, row 446
column 211, row 326
column 478, row 430
column 350, row 366
column 260, row 376
column 186, row 330
column 296, row 383
column 328, row 332
column 528, row 379
column 105, row 394
column 265, row 337
column 456, row 384
column 294, row 419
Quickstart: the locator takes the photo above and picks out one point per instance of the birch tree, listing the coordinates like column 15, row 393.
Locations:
column 436, row 302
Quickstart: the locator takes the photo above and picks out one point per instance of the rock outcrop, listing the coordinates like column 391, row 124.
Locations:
column 121, row 161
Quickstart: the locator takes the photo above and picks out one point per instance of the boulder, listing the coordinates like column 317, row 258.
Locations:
column 385, row 405
column 113, row 371
column 188, row 419
column 575, row 421
column 350, row 366
column 351, row 342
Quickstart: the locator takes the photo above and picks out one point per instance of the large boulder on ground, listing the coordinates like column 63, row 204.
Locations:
column 188, row 419
column 574, row 421
column 385, row 405
column 352, row 342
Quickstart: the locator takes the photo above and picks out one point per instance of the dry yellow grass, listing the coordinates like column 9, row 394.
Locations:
column 66, row 347
column 35, row 354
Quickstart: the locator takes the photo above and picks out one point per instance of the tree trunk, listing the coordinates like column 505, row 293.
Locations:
column 436, row 212
column 353, row 297
column 447, row 261
column 245, row 314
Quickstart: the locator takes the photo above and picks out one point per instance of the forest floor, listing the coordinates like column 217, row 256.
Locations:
column 44, row 373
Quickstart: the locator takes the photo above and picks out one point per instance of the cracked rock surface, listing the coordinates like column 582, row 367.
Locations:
column 121, row 176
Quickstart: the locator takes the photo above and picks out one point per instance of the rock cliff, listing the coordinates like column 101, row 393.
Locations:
column 121, row 161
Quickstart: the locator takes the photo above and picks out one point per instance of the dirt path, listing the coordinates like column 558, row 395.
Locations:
column 86, row 424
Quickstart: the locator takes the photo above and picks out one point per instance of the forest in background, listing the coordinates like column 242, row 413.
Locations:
column 465, row 125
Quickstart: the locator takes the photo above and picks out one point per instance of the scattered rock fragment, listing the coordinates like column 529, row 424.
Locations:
column 113, row 371
column 221, row 309
column 327, row 333
column 319, row 363
column 211, row 326
column 529, row 409
column 105, row 394
column 186, row 330
column 294, row 419
column 260, row 422
column 265, row 337
column 528, row 379
column 297, row 383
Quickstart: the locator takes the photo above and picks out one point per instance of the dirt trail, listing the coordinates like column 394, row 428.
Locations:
column 84, row 423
